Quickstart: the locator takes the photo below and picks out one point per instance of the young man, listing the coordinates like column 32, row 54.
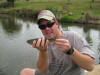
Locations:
column 68, row 55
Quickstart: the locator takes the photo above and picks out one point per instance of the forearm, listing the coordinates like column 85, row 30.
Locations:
column 82, row 60
column 42, row 63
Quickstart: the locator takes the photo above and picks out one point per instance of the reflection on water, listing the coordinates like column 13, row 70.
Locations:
column 10, row 26
column 87, row 31
column 3, row 69
column 16, row 54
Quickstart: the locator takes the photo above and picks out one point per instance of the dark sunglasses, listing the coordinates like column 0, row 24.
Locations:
column 49, row 24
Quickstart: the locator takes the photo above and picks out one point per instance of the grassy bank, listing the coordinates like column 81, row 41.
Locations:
column 74, row 9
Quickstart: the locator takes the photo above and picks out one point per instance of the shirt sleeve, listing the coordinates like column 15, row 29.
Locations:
column 82, row 46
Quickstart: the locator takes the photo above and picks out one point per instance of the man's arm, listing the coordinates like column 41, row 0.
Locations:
column 42, row 46
column 82, row 60
column 42, row 63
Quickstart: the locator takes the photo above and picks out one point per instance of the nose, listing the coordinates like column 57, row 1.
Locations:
column 47, row 28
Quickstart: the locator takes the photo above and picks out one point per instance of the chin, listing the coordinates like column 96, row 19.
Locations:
column 49, row 36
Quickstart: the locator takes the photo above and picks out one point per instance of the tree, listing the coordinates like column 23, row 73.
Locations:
column 68, row 1
column 10, row 0
column 92, row 1
column 10, row 3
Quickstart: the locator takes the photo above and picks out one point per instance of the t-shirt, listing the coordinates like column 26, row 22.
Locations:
column 60, row 63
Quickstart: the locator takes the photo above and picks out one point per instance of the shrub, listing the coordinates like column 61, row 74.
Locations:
column 67, row 18
column 4, row 5
column 54, row 10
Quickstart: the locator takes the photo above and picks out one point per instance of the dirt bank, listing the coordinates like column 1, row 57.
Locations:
column 88, row 19
column 96, row 71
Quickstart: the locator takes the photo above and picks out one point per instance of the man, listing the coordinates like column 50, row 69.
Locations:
column 68, row 55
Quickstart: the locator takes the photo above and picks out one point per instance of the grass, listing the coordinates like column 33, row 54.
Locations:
column 84, row 6
column 37, row 5
column 77, row 7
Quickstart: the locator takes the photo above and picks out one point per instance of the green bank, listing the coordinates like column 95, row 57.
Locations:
column 65, row 10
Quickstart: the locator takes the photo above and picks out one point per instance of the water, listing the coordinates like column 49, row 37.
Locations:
column 16, row 53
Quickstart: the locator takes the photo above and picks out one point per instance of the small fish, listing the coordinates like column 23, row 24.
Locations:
column 51, row 40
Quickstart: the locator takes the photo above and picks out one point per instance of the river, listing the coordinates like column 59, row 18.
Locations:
column 16, row 53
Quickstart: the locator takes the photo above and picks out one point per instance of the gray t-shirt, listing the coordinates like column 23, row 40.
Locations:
column 60, row 63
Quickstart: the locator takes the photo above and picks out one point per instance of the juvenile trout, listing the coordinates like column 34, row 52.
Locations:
column 51, row 40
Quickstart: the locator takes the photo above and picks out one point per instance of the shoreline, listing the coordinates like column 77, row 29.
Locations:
column 30, row 13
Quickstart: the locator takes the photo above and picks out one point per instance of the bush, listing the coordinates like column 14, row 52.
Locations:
column 4, row 5
column 35, row 14
column 67, row 18
column 54, row 10
column 25, row 13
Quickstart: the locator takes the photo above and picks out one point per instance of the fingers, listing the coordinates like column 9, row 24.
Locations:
column 62, row 44
column 41, row 43
column 46, row 44
column 38, row 43
column 62, row 40
column 34, row 43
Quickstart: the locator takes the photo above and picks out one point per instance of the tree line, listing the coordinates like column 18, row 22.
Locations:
column 7, row 4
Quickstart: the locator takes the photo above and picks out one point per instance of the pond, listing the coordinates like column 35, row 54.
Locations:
column 16, row 53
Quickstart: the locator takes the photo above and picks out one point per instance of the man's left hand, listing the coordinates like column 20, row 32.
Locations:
column 62, row 44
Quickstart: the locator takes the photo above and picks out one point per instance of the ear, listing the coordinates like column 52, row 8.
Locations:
column 57, row 23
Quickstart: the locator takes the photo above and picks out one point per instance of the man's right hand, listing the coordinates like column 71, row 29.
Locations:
column 41, row 44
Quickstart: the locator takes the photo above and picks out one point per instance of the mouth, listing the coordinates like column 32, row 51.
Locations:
column 49, row 34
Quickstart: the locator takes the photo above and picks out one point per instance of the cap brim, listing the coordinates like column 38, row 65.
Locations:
column 46, row 17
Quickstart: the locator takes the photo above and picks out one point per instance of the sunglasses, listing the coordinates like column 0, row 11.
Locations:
column 49, row 24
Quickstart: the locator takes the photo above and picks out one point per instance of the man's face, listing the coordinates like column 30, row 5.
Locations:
column 48, row 32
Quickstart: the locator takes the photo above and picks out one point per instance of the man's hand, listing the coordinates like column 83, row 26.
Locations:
column 62, row 44
column 41, row 44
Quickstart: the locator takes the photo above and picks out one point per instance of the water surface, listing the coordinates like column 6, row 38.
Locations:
column 16, row 53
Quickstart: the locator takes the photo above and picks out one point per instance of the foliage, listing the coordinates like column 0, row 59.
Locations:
column 3, row 5
column 93, row 1
column 77, row 8
column 55, row 10
column 10, row 0
column 9, row 3
column 67, row 18
column 24, row 13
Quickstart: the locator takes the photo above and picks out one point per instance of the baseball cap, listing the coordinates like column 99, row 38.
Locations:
column 46, row 14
